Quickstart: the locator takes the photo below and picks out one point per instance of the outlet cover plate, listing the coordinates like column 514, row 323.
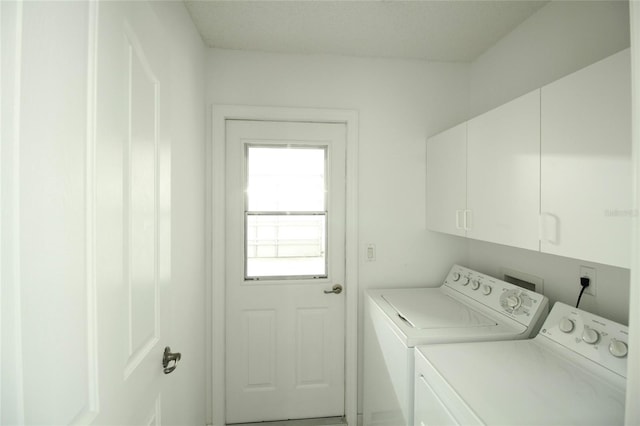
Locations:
column 587, row 271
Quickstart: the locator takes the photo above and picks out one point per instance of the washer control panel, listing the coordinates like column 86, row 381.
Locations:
column 596, row 338
column 518, row 303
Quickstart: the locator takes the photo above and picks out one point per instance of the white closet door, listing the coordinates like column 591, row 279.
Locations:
column 503, row 173
column 447, row 181
column 586, row 163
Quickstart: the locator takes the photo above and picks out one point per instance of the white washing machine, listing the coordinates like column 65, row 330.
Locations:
column 572, row 373
column 467, row 307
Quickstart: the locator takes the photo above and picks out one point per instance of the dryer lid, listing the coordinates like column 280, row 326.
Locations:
column 435, row 309
column 525, row 382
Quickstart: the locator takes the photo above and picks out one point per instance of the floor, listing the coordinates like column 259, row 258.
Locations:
column 325, row 421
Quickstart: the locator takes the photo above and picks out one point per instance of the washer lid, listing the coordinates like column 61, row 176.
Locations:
column 434, row 309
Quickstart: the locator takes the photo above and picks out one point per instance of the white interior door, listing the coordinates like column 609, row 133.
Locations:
column 285, row 246
column 133, row 212
column 85, row 214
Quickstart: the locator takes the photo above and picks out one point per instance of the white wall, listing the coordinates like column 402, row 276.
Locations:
column 399, row 103
column 188, row 118
column 43, row 293
column 633, row 366
column 11, row 402
column 560, row 38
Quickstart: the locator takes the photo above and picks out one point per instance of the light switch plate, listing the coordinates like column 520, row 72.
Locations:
column 371, row 253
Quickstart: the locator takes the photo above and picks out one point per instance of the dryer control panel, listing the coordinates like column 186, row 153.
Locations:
column 598, row 339
column 522, row 305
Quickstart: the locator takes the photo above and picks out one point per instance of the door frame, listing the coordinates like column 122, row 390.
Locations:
column 215, row 250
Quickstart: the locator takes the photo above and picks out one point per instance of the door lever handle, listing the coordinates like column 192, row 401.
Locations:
column 337, row 289
column 169, row 357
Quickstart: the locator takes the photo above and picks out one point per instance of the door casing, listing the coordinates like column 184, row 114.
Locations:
column 216, row 297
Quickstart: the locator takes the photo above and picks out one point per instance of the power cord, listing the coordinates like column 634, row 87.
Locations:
column 584, row 282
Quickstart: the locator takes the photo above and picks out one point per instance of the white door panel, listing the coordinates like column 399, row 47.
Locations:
column 86, row 196
column 132, row 211
column 285, row 337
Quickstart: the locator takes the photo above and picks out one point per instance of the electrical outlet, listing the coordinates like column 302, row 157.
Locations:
column 587, row 271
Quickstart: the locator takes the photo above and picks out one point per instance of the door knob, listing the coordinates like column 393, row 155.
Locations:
column 169, row 357
column 337, row 289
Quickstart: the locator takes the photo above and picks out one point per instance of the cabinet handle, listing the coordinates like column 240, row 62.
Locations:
column 468, row 217
column 548, row 228
column 465, row 215
column 458, row 214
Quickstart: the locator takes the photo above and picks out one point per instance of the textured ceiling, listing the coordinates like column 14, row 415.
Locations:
column 446, row 30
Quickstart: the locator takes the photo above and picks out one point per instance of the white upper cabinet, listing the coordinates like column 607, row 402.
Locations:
column 548, row 171
column 503, row 173
column 447, row 181
column 586, row 163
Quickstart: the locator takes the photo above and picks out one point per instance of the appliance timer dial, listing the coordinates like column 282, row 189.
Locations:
column 590, row 336
column 486, row 289
column 618, row 348
column 475, row 284
column 566, row 325
column 456, row 276
column 514, row 302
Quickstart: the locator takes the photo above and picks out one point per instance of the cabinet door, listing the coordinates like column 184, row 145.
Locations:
column 447, row 180
column 586, row 163
column 503, row 173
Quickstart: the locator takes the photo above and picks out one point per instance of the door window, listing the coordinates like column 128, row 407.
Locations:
column 285, row 212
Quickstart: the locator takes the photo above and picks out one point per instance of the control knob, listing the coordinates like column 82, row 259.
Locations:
column 486, row 289
column 465, row 280
column 618, row 348
column 566, row 325
column 456, row 276
column 590, row 336
column 475, row 284
column 514, row 302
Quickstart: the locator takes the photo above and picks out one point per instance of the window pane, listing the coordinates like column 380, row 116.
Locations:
column 284, row 178
column 285, row 245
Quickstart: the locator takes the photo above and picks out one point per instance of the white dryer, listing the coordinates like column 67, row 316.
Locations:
column 572, row 373
column 467, row 307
